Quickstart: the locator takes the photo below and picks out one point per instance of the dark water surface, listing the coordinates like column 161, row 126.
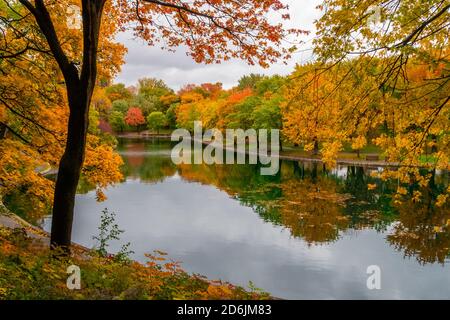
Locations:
column 305, row 233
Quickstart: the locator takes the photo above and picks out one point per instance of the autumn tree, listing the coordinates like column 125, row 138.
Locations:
column 171, row 115
column 321, row 117
column 169, row 99
column 187, row 111
column 147, row 104
column 423, row 230
column 34, row 107
column 117, row 121
column 150, row 92
column 156, row 121
column 100, row 101
column 118, row 91
column 243, row 118
column 152, row 86
column 212, row 32
column 249, row 81
column 121, row 106
column 134, row 118
column 210, row 90
column 229, row 106
column 407, row 46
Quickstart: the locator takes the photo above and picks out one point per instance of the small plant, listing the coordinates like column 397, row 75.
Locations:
column 257, row 291
column 109, row 230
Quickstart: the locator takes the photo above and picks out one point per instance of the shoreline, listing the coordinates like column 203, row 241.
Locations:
column 40, row 240
column 339, row 161
column 10, row 220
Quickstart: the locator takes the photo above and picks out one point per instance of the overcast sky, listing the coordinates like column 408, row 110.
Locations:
column 177, row 69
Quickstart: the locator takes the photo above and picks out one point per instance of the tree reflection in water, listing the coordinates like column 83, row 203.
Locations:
column 315, row 204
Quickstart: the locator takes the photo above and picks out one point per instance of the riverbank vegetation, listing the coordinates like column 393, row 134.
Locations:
column 319, row 119
column 394, row 105
column 387, row 92
column 72, row 49
column 30, row 271
column 379, row 79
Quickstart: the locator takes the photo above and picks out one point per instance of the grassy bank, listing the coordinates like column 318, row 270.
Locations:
column 28, row 270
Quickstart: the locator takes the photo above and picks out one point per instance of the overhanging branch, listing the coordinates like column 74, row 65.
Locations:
column 44, row 21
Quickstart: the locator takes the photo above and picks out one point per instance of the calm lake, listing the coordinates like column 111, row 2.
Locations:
column 302, row 234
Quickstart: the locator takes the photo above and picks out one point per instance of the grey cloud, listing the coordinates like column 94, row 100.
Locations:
column 178, row 69
column 142, row 55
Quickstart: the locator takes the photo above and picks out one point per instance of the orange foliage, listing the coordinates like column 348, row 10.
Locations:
column 134, row 117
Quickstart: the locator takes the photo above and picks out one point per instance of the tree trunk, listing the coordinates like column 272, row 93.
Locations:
column 69, row 171
column 3, row 131
column 434, row 147
column 316, row 147
column 79, row 93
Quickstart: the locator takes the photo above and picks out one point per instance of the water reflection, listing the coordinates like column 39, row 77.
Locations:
column 314, row 203
column 422, row 231
column 305, row 233
column 149, row 162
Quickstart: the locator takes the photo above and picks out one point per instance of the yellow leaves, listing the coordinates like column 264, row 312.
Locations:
column 37, row 108
column 157, row 257
column 52, row 270
column 417, row 196
column 169, row 99
column 218, row 292
column 371, row 186
column 309, row 147
column 3, row 292
column 442, row 160
column 375, row 174
column 441, row 200
column 161, row 253
column 19, row 168
column 330, row 151
column 100, row 100
column 359, row 142
column 409, row 125
column 422, row 180
column 402, row 191
column 319, row 110
column 102, row 165
column 418, row 73
column 190, row 97
column 99, row 195
column 2, row 113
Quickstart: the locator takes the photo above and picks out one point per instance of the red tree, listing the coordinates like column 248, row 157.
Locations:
column 134, row 117
column 211, row 31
